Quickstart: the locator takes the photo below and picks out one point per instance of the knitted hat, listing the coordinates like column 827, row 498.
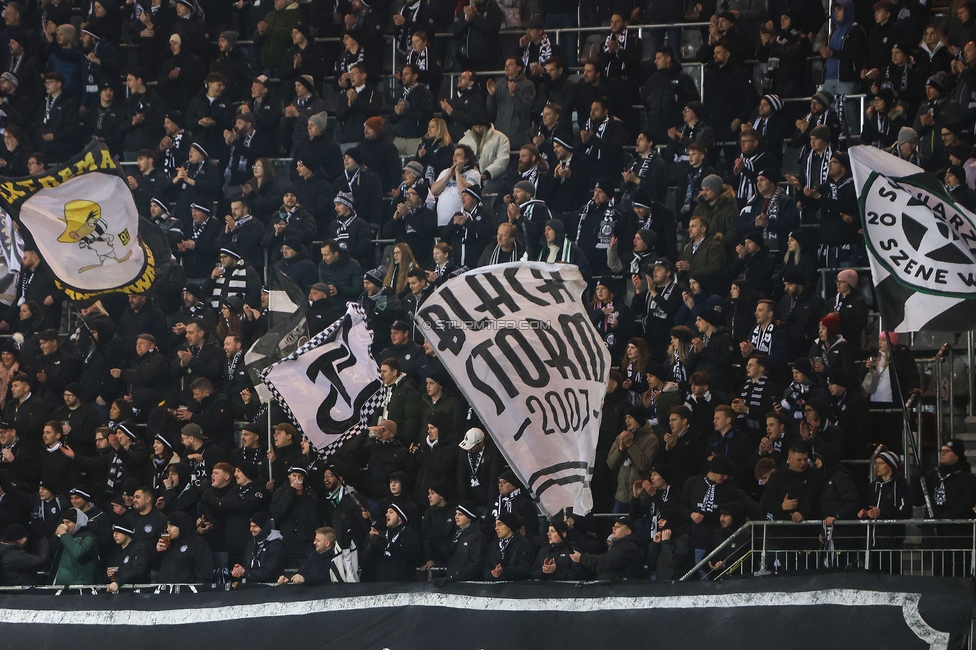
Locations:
column 832, row 323
column 307, row 81
column 771, row 175
column 756, row 237
column 957, row 446
column 9, row 76
column 320, row 120
column 657, row 370
column 441, row 487
column 803, row 366
column 824, row 97
column 376, row 123
column 711, row 317
column 648, row 236
column 14, row 532
column 696, row 107
column 774, row 101
column 891, row 458
column 938, row 81
column 396, row 507
column 960, row 151
column 639, row 413
column 473, row 190
column 959, row 172
column 843, row 159
column 230, row 37
column 199, row 147
column 356, row 154
column 261, row 518
column 376, row 275
column 822, row 132
column 683, row 334
column 230, row 252
column 345, row 198
column 468, row 509
column 906, row 134
column 892, row 337
column 201, row 207
column 250, row 470
column 849, row 276
column 528, row 187
column 721, row 465
column 125, row 529
column 414, row 168
column 606, row 184
column 510, row 519
column 74, row 388
column 713, row 182
column 565, row 143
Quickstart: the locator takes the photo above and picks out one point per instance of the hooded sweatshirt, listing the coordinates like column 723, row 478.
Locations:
column 264, row 557
column 188, row 558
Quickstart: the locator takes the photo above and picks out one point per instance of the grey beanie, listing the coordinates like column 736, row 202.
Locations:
column 713, row 182
column 320, row 120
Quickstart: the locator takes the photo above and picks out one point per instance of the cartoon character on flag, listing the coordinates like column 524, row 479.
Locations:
column 84, row 224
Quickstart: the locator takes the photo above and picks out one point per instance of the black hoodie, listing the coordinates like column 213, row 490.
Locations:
column 188, row 558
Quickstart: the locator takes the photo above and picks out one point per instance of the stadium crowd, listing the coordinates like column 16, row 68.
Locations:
column 133, row 447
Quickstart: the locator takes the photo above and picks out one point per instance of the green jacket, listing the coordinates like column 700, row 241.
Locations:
column 723, row 217
column 276, row 40
column 77, row 564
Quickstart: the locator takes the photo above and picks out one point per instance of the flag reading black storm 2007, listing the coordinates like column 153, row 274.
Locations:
column 921, row 244
column 83, row 219
column 517, row 340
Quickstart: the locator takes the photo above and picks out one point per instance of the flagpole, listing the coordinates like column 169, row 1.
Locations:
column 270, row 443
column 906, row 423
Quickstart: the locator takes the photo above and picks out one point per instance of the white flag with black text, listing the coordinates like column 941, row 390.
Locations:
column 517, row 340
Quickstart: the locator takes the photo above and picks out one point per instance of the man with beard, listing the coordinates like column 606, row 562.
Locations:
column 599, row 222
column 469, row 231
column 528, row 214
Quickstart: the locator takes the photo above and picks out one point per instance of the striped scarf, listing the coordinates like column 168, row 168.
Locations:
column 236, row 283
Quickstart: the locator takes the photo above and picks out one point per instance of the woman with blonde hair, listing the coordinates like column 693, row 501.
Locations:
column 436, row 150
column 403, row 261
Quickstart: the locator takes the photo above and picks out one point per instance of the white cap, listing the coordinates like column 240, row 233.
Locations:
column 472, row 438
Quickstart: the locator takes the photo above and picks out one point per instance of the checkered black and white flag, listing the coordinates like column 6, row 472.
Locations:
column 330, row 386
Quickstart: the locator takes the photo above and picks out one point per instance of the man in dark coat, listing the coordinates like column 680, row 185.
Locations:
column 623, row 560
column 186, row 557
column 509, row 557
column 394, row 555
column 293, row 507
column 18, row 566
column 469, row 545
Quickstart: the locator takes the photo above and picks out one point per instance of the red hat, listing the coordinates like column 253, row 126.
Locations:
column 831, row 322
column 376, row 123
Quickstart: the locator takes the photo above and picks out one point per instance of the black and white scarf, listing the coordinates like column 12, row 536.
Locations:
column 474, row 462
column 236, row 282
column 532, row 175
column 752, row 393
column 622, row 38
column 544, row 52
column 747, row 185
column 114, row 475
column 679, row 371
column 169, row 158
column 707, row 504
column 817, row 176
column 419, row 59
column 762, row 338
column 605, row 232
column 597, row 131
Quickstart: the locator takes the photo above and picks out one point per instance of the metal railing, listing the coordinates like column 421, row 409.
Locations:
column 932, row 547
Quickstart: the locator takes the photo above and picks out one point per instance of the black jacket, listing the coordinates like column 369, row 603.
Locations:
column 516, row 560
column 393, row 556
column 467, row 555
column 133, row 563
column 19, row 567
column 188, row 558
column 566, row 569
column 297, row 518
column 438, row 529
column 664, row 95
column 264, row 557
column 623, row 560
